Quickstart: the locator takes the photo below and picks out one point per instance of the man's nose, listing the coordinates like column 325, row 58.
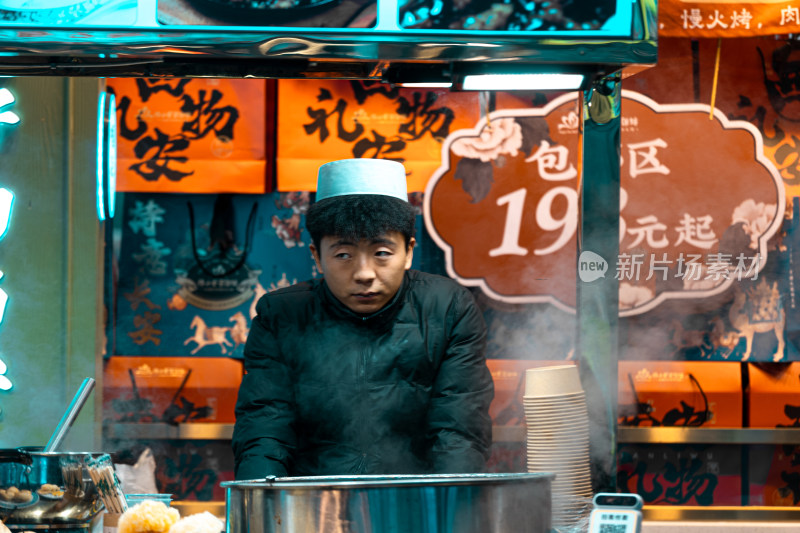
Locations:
column 365, row 270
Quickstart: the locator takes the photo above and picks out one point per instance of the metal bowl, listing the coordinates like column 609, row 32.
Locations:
column 445, row 503
column 75, row 501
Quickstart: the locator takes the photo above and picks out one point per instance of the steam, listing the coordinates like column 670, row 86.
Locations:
column 539, row 333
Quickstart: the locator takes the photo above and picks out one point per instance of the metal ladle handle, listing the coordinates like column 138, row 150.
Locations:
column 70, row 415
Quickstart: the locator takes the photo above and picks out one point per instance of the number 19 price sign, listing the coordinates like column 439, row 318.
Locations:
column 698, row 203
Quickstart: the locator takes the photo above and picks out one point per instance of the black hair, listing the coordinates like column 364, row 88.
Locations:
column 359, row 216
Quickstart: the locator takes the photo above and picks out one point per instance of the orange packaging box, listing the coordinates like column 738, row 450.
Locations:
column 774, row 397
column 171, row 389
column 670, row 393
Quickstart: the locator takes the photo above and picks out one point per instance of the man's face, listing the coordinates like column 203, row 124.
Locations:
column 364, row 275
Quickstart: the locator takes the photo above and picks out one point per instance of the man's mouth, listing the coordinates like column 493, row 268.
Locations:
column 365, row 295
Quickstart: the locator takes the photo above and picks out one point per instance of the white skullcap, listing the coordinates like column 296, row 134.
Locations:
column 362, row 176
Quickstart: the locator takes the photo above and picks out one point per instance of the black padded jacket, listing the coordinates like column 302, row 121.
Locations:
column 329, row 392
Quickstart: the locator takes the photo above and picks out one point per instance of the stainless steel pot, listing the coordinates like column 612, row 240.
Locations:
column 60, row 490
column 449, row 503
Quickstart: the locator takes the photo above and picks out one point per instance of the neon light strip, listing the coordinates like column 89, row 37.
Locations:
column 5, row 383
column 518, row 82
column 6, row 98
column 3, row 300
column 6, row 203
column 101, row 106
column 112, row 154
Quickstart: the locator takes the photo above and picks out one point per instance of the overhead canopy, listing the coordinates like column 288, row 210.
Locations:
column 405, row 40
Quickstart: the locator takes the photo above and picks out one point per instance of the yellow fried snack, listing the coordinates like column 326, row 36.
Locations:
column 204, row 522
column 52, row 491
column 23, row 496
column 12, row 494
column 148, row 516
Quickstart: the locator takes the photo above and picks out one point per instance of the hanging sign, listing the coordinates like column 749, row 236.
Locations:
column 191, row 135
column 680, row 18
column 699, row 201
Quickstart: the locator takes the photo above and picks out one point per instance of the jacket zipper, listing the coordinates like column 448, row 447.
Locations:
column 362, row 371
column 362, row 467
column 362, row 374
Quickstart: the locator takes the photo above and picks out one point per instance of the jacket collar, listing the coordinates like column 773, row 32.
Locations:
column 380, row 318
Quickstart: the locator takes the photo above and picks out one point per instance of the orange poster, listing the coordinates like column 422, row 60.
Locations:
column 324, row 120
column 722, row 18
column 504, row 205
column 191, row 135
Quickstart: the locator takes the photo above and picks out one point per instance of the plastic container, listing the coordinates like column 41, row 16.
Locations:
column 133, row 499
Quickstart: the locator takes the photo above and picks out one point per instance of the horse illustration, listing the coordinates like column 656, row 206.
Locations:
column 239, row 330
column 204, row 335
column 690, row 338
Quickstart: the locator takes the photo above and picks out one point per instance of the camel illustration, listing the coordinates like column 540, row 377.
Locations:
column 239, row 330
column 204, row 335
column 759, row 310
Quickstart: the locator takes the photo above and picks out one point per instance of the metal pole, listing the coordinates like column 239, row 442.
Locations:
column 70, row 415
column 597, row 343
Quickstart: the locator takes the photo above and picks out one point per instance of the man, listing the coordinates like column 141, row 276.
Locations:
column 376, row 369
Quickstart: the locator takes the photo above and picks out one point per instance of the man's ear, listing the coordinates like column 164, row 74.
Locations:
column 315, row 255
column 410, row 252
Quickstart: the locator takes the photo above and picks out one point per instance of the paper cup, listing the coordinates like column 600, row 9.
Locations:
column 557, row 416
column 563, row 431
column 552, row 380
column 554, row 397
column 544, row 401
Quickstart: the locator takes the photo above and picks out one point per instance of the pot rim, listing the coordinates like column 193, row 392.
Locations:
column 380, row 481
column 23, row 454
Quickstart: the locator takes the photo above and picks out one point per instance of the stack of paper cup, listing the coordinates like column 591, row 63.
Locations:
column 558, row 438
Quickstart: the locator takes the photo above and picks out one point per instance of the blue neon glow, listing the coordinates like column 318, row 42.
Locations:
column 101, row 106
column 5, row 383
column 6, row 99
column 6, row 203
column 3, row 300
column 112, row 154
